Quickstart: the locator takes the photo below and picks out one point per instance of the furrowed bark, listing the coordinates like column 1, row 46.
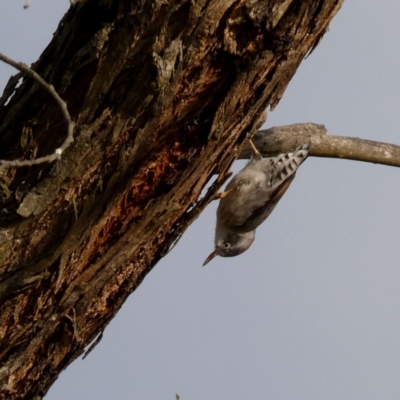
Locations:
column 163, row 94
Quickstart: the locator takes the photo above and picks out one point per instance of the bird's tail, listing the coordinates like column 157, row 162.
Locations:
column 299, row 154
column 286, row 164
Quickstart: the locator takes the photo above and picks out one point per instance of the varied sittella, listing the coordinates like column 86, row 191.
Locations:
column 250, row 197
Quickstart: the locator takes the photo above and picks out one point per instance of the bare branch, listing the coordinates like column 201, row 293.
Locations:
column 93, row 345
column 284, row 138
column 10, row 88
column 50, row 88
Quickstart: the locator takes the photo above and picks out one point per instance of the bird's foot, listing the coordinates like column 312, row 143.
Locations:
column 256, row 154
column 221, row 195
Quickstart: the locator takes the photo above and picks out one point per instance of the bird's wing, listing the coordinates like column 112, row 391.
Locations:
column 257, row 189
column 281, row 189
column 280, row 172
column 259, row 214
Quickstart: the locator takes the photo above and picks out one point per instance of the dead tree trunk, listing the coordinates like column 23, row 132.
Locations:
column 163, row 94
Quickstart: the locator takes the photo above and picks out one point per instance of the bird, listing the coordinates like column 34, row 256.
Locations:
column 251, row 196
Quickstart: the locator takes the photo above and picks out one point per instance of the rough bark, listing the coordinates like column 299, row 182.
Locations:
column 163, row 95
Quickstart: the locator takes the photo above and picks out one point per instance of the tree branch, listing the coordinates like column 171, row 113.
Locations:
column 50, row 89
column 284, row 138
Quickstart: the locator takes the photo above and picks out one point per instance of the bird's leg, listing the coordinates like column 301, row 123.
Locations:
column 256, row 154
column 221, row 195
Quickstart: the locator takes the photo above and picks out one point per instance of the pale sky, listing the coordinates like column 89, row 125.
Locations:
column 311, row 310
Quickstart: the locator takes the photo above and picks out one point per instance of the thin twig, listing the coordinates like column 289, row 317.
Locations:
column 50, row 88
column 10, row 88
column 281, row 139
column 93, row 345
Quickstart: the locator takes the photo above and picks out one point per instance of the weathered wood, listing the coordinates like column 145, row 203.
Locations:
column 280, row 139
column 163, row 95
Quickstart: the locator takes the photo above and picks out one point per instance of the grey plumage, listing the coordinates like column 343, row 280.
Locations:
column 250, row 197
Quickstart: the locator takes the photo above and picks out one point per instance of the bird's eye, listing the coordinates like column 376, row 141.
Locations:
column 227, row 245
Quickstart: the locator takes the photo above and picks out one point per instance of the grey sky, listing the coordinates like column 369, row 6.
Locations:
column 311, row 311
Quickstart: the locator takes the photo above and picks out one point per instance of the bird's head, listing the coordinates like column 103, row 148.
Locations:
column 228, row 244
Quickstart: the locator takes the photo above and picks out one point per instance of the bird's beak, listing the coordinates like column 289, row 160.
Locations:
column 211, row 256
